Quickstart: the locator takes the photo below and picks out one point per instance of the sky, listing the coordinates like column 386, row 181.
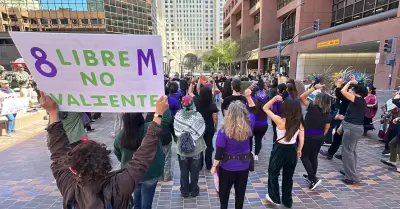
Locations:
column 75, row 5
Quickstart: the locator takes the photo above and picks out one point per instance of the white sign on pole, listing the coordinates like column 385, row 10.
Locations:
column 95, row 72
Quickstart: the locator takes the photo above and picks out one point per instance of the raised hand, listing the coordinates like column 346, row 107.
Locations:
column 162, row 105
column 48, row 103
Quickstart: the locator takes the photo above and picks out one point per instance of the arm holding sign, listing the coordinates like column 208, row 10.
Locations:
column 143, row 157
column 58, row 144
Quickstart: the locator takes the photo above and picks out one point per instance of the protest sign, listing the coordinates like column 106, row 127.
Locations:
column 95, row 72
column 13, row 105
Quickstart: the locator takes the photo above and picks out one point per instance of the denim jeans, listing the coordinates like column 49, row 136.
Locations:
column 217, row 97
column 11, row 122
column 144, row 193
column 190, row 166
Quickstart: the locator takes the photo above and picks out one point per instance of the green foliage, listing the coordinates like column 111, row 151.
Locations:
column 227, row 52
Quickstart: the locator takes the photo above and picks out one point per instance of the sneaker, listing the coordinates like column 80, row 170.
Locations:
column 305, row 176
column 349, row 182
column 389, row 163
column 270, row 200
column 338, row 156
column 256, row 157
column 314, row 185
column 386, row 152
column 326, row 154
column 327, row 144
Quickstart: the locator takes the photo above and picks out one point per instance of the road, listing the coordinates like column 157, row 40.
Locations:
column 26, row 180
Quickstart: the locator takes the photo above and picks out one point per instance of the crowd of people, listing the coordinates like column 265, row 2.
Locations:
column 188, row 117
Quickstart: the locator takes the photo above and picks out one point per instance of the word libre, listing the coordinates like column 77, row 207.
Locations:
column 122, row 74
column 90, row 58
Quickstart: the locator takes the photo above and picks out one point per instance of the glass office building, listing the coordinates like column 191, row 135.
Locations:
column 99, row 16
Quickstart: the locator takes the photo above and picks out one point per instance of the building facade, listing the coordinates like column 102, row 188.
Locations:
column 92, row 16
column 188, row 26
column 351, row 33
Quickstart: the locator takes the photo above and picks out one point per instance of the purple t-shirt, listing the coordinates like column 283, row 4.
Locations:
column 234, row 148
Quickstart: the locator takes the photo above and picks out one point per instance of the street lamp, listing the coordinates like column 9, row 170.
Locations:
column 280, row 37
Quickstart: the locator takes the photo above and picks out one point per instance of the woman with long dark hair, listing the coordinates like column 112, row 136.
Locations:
column 276, row 107
column 227, row 89
column 284, row 151
column 208, row 109
column 317, row 123
column 260, row 97
column 83, row 174
column 127, row 142
column 291, row 90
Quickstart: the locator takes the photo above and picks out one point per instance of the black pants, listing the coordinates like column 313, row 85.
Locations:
column 228, row 178
column 189, row 166
column 309, row 158
column 334, row 125
column 391, row 135
column 208, row 138
column 337, row 141
column 88, row 127
column 275, row 137
column 283, row 157
column 258, row 133
column 368, row 124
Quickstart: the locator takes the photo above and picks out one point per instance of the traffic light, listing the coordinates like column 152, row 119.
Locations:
column 388, row 45
column 316, row 25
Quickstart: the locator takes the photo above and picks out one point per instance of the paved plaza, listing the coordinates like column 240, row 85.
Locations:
column 26, row 180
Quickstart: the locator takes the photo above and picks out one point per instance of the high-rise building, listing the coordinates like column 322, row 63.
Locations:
column 25, row 4
column 313, row 35
column 189, row 26
column 93, row 16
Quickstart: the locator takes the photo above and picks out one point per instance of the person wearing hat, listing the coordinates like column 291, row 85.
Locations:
column 189, row 127
column 6, row 90
column 23, row 79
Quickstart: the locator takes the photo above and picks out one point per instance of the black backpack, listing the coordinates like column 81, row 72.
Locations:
column 188, row 145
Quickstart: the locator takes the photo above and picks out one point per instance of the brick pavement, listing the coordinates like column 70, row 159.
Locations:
column 26, row 181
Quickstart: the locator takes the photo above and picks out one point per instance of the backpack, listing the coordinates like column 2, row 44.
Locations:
column 188, row 145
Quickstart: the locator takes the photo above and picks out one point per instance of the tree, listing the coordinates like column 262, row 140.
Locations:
column 248, row 44
column 190, row 62
column 225, row 52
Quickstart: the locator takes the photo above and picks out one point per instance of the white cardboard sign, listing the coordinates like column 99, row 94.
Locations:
column 95, row 72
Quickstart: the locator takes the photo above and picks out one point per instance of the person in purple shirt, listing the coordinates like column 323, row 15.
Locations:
column 261, row 121
column 276, row 108
column 233, row 151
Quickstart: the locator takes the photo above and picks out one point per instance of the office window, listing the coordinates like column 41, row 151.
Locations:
column 282, row 3
column 288, row 27
column 256, row 19
column 344, row 11
column 253, row 3
column 74, row 21
column 64, row 21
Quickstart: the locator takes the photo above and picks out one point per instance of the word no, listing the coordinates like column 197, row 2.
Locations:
column 91, row 59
